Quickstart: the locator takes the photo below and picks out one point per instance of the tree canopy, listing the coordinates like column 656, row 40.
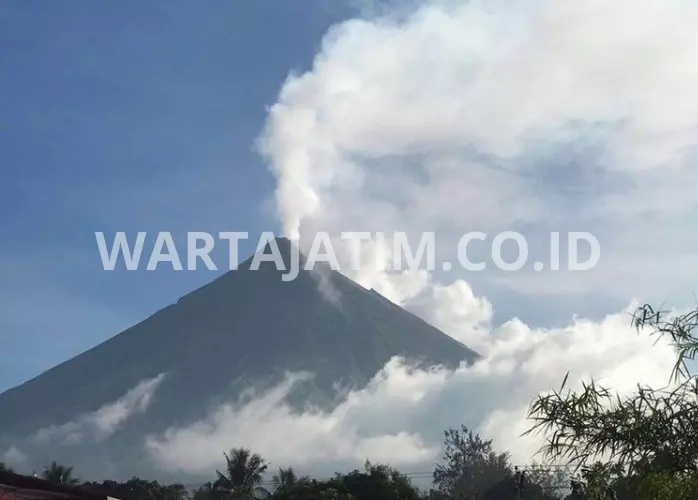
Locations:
column 59, row 474
column 644, row 445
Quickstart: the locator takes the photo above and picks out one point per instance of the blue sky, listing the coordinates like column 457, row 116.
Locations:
column 128, row 116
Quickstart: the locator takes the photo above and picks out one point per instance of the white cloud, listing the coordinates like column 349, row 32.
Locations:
column 268, row 425
column 105, row 421
column 13, row 457
column 457, row 310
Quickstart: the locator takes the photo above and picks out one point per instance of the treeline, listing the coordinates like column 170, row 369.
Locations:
column 640, row 447
column 470, row 469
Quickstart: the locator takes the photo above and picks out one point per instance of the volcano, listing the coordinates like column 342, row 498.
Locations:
column 247, row 328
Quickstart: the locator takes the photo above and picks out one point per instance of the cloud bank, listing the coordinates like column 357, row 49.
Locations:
column 14, row 457
column 267, row 420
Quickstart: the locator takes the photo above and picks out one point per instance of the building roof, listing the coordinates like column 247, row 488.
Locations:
column 18, row 487
column 10, row 493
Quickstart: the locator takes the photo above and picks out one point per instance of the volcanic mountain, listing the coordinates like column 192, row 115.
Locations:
column 247, row 327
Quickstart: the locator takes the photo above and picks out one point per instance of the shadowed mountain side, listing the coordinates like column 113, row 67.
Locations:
column 244, row 327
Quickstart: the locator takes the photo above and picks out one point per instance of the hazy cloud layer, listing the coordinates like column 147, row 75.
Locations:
column 269, row 426
column 14, row 457
column 103, row 422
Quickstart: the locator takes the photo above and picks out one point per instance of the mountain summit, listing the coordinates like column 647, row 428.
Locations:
column 246, row 327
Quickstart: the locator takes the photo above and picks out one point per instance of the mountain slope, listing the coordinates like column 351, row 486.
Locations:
column 244, row 327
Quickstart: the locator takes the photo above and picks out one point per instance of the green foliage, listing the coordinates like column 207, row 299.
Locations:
column 668, row 486
column 242, row 476
column 59, row 474
column 551, row 480
column 598, row 481
column 471, row 466
column 137, row 489
column 374, row 482
column 379, row 481
column 648, row 441
column 206, row 492
column 287, row 480
column 602, row 481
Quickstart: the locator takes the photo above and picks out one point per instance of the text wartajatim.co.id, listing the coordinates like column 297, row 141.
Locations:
column 200, row 245
column 402, row 253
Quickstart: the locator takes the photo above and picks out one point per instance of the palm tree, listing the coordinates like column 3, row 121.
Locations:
column 59, row 474
column 208, row 491
column 243, row 473
column 286, row 479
